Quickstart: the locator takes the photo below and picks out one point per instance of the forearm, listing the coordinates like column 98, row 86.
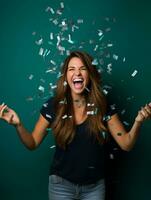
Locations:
column 132, row 135
column 25, row 137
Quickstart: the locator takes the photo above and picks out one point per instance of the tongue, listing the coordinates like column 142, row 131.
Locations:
column 78, row 85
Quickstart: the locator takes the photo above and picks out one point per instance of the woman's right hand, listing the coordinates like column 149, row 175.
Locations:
column 9, row 115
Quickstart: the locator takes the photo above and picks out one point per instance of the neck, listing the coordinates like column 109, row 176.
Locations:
column 79, row 101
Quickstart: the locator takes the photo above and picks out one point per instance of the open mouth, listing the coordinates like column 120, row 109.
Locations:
column 78, row 83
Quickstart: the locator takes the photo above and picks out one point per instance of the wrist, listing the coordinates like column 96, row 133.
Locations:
column 138, row 122
column 19, row 124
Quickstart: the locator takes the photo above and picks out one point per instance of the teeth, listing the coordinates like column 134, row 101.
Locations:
column 78, row 79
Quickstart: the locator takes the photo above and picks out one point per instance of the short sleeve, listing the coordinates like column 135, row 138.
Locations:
column 111, row 110
column 47, row 110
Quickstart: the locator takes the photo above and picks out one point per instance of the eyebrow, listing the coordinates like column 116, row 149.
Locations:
column 75, row 66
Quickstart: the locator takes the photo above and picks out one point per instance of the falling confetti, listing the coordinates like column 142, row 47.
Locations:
column 53, row 146
column 115, row 57
column 48, row 116
column 134, row 73
column 64, row 117
column 41, row 88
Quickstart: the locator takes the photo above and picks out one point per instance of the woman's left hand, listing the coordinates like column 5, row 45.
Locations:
column 144, row 113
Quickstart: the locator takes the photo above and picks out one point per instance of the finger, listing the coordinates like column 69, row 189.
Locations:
column 2, row 110
column 141, row 115
column 144, row 113
column 1, row 106
column 148, row 109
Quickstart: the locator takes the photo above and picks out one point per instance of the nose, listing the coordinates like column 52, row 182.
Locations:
column 77, row 72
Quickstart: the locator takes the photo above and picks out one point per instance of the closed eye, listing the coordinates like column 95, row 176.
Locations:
column 70, row 69
column 83, row 68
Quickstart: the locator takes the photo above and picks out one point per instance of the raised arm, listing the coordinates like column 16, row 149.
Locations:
column 30, row 140
column 126, row 140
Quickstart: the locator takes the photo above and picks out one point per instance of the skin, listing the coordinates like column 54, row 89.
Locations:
column 76, row 69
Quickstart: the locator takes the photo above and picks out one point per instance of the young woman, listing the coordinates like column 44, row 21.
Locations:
column 79, row 116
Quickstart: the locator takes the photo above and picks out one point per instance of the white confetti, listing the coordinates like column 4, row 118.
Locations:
column 126, row 123
column 109, row 68
column 90, row 104
column 53, row 146
column 39, row 42
column 41, row 88
column 103, row 134
column 110, row 45
column 134, row 73
column 96, row 47
column 64, row 117
column 31, row 77
column 52, row 11
column 53, row 86
column 55, row 21
column 62, row 5
column 80, row 21
column 41, row 50
column 69, row 40
column 111, row 156
column 105, row 91
column 87, row 89
column 51, row 36
column 100, row 33
column 59, row 12
column 115, row 57
column 52, row 62
column 95, row 62
column 106, row 118
column 48, row 116
column 90, row 112
column 58, row 40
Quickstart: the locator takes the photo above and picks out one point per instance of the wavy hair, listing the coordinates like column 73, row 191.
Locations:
column 64, row 125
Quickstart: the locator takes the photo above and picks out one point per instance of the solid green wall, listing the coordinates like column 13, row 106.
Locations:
column 24, row 174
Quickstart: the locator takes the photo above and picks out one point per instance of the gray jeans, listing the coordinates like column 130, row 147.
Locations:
column 61, row 189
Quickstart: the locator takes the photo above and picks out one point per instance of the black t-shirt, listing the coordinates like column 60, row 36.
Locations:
column 82, row 162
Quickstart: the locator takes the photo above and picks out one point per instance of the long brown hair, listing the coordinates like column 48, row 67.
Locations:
column 64, row 125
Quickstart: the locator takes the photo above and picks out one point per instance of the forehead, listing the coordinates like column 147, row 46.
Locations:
column 75, row 61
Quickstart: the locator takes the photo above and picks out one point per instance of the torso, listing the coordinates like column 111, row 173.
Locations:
column 80, row 115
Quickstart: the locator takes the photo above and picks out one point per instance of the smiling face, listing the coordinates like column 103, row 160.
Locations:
column 77, row 77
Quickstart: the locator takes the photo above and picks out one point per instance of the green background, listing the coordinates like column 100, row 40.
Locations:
column 125, row 24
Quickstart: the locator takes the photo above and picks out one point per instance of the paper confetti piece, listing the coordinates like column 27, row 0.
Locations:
column 111, row 156
column 31, row 77
column 41, row 50
column 39, row 42
column 115, row 57
column 53, row 146
column 41, row 88
column 134, row 73
column 64, row 117
column 62, row 5
column 95, row 62
column 48, row 116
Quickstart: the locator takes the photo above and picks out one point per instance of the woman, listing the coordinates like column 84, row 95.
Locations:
column 79, row 117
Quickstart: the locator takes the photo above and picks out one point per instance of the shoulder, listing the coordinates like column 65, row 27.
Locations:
column 111, row 108
column 47, row 109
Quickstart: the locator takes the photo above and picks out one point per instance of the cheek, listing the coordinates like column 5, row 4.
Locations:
column 87, row 77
